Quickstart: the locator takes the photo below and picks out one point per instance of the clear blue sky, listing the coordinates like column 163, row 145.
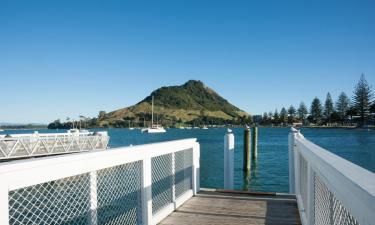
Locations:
column 65, row 58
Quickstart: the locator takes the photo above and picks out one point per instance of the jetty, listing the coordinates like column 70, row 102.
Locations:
column 45, row 144
column 160, row 184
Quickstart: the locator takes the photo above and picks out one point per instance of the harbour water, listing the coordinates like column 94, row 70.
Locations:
column 270, row 171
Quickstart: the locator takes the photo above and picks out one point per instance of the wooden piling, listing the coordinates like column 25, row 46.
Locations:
column 255, row 143
column 246, row 151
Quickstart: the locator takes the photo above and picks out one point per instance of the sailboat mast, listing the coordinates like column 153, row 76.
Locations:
column 152, row 111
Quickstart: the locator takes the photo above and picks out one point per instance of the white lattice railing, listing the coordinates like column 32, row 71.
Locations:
column 130, row 185
column 30, row 145
column 329, row 189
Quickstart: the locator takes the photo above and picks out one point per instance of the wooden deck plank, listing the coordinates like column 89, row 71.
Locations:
column 212, row 208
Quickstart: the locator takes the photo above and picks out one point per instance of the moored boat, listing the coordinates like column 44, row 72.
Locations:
column 154, row 128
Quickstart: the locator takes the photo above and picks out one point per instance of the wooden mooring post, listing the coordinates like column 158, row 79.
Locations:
column 246, row 151
column 255, row 143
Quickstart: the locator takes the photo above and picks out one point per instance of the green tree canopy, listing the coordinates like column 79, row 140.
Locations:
column 283, row 116
column 342, row 106
column 292, row 114
column 316, row 110
column 328, row 108
column 372, row 108
column 302, row 111
column 276, row 117
column 362, row 99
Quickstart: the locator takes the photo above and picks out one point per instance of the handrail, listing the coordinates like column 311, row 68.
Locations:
column 30, row 145
column 30, row 173
column 323, row 178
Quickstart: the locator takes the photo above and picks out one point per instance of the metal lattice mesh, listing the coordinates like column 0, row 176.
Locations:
column 328, row 209
column 183, row 171
column 162, row 181
column 119, row 194
column 303, row 179
column 15, row 147
column 64, row 201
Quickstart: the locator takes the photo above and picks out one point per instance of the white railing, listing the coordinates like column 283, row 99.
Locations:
column 329, row 189
column 130, row 185
column 30, row 145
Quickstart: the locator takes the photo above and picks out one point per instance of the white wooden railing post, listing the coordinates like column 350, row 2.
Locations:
column 228, row 160
column 292, row 136
column 310, row 195
column 196, row 168
column 4, row 204
column 93, row 198
column 146, row 192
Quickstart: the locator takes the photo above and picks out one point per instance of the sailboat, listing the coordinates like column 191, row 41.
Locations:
column 154, row 128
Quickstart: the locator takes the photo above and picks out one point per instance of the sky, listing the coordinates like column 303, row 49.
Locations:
column 71, row 58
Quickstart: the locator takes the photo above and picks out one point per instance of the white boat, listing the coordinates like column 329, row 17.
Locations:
column 205, row 128
column 1, row 130
column 154, row 128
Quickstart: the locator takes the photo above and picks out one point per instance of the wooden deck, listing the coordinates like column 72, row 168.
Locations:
column 228, row 208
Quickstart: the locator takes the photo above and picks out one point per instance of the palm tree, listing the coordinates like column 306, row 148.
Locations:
column 81, row 118
column 67, row 120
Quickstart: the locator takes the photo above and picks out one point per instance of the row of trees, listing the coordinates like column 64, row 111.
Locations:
column 359, row 109
column 82, row 122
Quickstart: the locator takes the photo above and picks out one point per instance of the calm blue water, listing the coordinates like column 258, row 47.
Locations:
column 270, row 172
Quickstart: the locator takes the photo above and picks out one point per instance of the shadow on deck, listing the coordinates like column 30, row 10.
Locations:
column 215, row 207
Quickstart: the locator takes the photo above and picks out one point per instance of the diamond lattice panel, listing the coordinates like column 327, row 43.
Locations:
column 162, row 181
column 303, row 179
column 328, row 209
column 119, row 194
column 183, row 171
column 64, row 201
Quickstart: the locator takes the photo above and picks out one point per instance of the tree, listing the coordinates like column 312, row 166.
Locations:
column 328, row 108
column 276, row 117
column 292, row 114
column 316, row 111
column 81, row 118
column 302, row 112
column 362, row 99
column 342, row 106
column 101, row 115
column 283, row 116
column 372, row 111
column 68, row 121
column 372, row 108
column 265, row 118
column 351, row 112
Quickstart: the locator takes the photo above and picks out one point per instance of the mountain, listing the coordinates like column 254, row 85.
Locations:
column 193, row 103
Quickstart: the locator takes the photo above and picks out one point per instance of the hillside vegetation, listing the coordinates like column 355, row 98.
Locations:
column 191, row 103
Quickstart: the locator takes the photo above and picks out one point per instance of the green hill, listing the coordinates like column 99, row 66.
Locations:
column 191, row 103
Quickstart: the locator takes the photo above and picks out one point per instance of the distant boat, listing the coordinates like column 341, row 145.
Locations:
column 130, row 128
column 205, row 128
column 1, row 130
column 154, row 128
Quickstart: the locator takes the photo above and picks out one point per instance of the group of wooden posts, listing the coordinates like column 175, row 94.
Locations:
column 250, row 153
